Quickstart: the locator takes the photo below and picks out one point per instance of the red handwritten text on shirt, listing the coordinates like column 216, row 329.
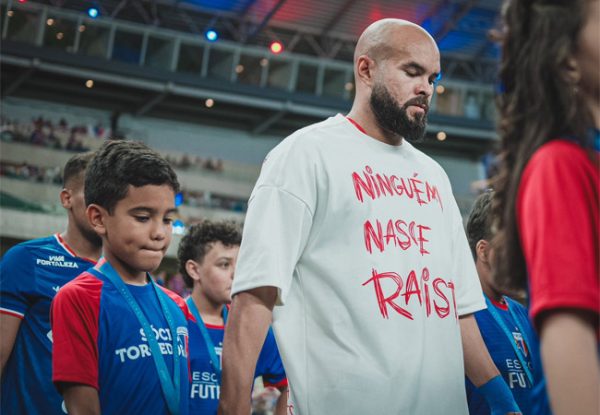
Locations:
column 399, row 233
column 376, row 185
column 436, row 293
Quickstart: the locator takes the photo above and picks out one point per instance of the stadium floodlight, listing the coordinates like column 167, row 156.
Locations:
column 211, row 35
column 276, row 47
column 93, row 12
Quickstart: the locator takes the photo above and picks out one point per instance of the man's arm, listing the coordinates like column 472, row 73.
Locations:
column 482, row 371
column 81, row 399
column 281, row 405
column 9, row 327
column 479, row 366
column 247, row 325
column 570, row 358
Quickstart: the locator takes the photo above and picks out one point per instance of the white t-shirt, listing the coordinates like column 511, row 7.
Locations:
column 365, row 244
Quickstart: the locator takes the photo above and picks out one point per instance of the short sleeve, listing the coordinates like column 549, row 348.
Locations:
column 275, row 233
column 469, row 295
column 557, row 212
column 74, row 317
column 17, row 279
column 279, row 218
column 270, row 364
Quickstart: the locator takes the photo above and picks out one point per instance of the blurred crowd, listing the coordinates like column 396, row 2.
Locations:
column 44, row 133
column 28, row 171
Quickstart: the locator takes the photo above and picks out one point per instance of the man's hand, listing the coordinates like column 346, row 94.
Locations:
column 482, row 371
column 247, row 325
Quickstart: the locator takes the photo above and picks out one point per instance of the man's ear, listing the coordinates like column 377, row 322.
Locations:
column 481, row 249
column 66, row 196
column 365, row 70
column 96, row 216
column 193, row 269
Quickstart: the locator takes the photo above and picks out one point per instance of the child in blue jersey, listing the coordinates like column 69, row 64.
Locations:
column 505, row 327
column 31, row 273
column 120, row 341
column 207, row 256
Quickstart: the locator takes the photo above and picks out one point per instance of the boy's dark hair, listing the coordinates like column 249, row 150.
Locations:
column 118, row 164
column 76, row 164
column 199, row 239
column 479, row 225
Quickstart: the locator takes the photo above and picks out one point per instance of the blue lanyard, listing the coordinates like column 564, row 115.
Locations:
column 508, row 333
column 214, row 360
column 171, row 389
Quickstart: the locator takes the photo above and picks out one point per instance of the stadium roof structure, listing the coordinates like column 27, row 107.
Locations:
column 322, row 28
column 150, row 58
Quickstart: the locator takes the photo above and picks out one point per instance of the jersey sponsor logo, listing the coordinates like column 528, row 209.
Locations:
column 516, row 375
column 163, row 336
column 56, row 261
column 205, row 385
column 205, row 391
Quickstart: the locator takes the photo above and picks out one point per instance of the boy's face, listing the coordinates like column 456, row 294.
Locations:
column 138, row 232
column 215, row 273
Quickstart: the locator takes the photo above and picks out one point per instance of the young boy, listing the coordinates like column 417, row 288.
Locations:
column 505, row 327
column 120, row 341
column 31, row 273
column 207, row 256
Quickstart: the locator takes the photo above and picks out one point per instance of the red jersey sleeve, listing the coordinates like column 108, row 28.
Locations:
column 74, row 316
column 180, row 303
column 557, row 213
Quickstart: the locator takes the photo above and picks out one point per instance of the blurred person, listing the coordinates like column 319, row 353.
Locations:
column 176, row 284
column 356, row 237
column 31, row 273
column 120, row 340
column 207, row 257
column 505, row 326
column 548, row 187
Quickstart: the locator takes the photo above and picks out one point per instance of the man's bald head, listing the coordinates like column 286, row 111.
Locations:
column 396, row 64
column 387, row 37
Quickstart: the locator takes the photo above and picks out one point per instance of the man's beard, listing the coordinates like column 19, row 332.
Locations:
column 393, row 118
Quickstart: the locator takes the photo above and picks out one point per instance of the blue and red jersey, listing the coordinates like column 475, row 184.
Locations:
column 31, row 273
column 205, row 387
column 531, row 398
column 99, row 342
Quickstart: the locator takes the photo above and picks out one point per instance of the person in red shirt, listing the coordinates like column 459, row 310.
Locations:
column 548, row 186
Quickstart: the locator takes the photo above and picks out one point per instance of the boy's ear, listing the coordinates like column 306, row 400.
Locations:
column 193, row 269
column 481, row 249
column 65, row 198
column 96, row 216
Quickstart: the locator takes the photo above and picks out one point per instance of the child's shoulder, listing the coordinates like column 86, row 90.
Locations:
column 176, row 298
column 85, row 287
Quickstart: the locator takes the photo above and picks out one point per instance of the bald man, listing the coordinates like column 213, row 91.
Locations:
column 354, row 247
